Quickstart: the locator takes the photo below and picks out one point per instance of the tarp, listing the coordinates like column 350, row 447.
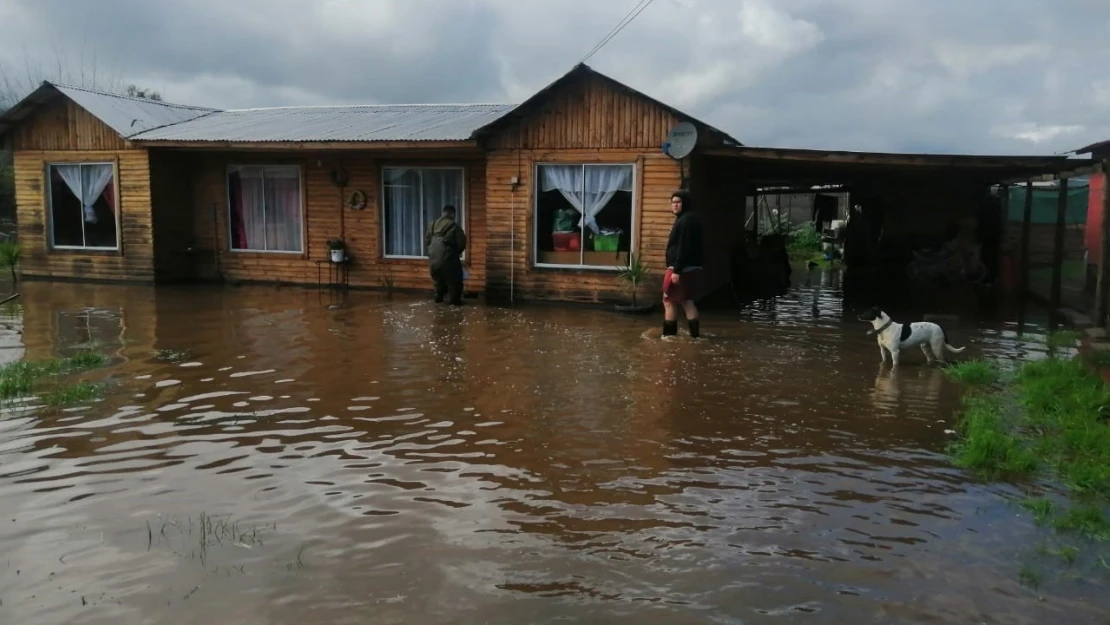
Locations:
column 1044, row 204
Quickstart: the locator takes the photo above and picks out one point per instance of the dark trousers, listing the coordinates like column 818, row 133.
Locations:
column 447, row 279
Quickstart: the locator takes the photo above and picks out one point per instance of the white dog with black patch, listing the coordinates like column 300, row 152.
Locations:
column 894, row 337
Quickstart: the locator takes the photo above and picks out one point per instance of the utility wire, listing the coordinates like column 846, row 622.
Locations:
column 625, row 21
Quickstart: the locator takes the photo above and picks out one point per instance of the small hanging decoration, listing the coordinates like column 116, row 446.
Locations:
column 357, row 200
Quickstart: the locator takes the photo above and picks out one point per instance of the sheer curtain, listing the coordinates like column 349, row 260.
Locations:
column 413, row 199
column 601, row 183
column 247, row 186
column 588, row 188
column 94, row 178
column 403, row 236
column 283, row 208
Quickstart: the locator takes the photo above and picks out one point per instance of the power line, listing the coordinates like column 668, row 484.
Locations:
column 625, row 21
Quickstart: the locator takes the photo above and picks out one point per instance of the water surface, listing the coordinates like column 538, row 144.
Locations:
column 308, row 457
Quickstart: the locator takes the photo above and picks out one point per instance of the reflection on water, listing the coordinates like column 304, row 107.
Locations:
column 369, row 460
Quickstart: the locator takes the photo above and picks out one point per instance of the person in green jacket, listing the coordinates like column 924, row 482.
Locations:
column 444, row 243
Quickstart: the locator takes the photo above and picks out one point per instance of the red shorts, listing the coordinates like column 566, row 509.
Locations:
column 685, row 290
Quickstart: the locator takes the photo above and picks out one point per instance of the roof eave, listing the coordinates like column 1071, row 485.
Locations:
column 222, row 145
column 582, row 69
column 26, row 107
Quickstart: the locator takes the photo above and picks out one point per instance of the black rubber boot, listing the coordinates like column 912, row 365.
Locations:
column 670, row 328
column 695, row 328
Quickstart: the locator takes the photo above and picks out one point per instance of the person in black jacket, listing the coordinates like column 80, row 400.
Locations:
column 444, row 242
column 684, row 265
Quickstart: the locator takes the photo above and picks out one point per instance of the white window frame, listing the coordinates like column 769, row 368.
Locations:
column 50, row 206
column 460, row 210
column 301, row 193
column 582, row 248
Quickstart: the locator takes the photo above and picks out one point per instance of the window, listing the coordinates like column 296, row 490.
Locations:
column 265, row 213
column 83, row 206
column 412, row 198
column 583, row 215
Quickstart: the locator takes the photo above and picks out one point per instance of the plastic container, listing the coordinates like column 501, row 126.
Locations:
column 606, row 242
column 566, row 241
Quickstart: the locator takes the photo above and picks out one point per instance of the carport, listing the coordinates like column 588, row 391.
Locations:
column 901, row 203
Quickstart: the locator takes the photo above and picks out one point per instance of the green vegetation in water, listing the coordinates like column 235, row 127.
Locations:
column 73, row 394
column 975, row 372
column 1050, row 422
column 10, row 252
column 172, row 355
column 26, row 378
column 1061, row 338
column 804, row 243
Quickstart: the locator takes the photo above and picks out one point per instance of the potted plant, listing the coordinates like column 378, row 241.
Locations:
column 634, row 274
column 338, row 250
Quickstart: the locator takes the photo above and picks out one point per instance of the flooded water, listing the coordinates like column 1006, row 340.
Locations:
column 276, row 456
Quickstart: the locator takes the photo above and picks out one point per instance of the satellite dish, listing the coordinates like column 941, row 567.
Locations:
column 681, row 140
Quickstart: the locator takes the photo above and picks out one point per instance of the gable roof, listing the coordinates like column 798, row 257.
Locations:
column 143, row 120
column 387, row 122
column 126, row 115
column 581, row 71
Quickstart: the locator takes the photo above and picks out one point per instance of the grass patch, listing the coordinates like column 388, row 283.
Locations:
column 988, row 442
column 73, row 394
column 26, row 378
column 975, row 372
column 1048, row 421
column 1062, row 338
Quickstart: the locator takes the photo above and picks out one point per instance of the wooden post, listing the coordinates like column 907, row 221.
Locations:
column 1102, row 283
column 1058, row 248
column 1026, row 220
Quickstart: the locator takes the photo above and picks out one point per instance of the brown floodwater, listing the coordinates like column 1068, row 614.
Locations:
column 281, row 455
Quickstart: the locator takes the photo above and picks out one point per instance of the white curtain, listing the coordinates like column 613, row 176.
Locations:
column 403, row 233
column 587, row 188
column 602, row 182
column 71, row 174
column 94, row 178
column 283, row 208
column 250, row 233
column 414, row 198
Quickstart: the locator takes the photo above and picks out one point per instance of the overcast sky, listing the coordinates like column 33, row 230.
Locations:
column 976, row 76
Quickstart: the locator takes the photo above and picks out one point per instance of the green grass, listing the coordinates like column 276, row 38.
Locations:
column 73, row 394
column 27, row 378
column 1048, row 422
column 988, row 441
column 1062, row 338
column 975, row 372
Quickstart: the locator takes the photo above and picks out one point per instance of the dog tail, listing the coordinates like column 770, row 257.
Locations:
column 954, row 350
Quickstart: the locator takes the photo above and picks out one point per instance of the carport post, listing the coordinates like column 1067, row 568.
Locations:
column 1058, row 248
column 1102, row 283
column 1026, row 220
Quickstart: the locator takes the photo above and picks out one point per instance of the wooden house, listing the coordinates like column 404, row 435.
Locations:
column 554, row 193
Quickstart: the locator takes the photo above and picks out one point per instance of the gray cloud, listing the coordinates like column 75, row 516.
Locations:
column 1015, row 76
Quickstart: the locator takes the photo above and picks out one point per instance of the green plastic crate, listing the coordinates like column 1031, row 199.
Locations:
column 606, row 242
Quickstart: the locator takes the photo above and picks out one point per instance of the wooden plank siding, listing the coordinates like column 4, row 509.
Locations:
column 587, row 122
column 134, row 261
column 62, row 125
column 510, row 255
column 589, row 114
column 326, row 216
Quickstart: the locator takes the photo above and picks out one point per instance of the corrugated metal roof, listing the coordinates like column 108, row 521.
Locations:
column 129, row 116
column 386, row 122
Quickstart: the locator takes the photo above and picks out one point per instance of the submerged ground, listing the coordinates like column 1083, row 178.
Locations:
column 288, row 456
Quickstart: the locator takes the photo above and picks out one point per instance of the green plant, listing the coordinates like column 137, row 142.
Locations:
column 634, row 274
column 10, row 251
column 975, row 372
column 337, row 244
column 805, row 238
